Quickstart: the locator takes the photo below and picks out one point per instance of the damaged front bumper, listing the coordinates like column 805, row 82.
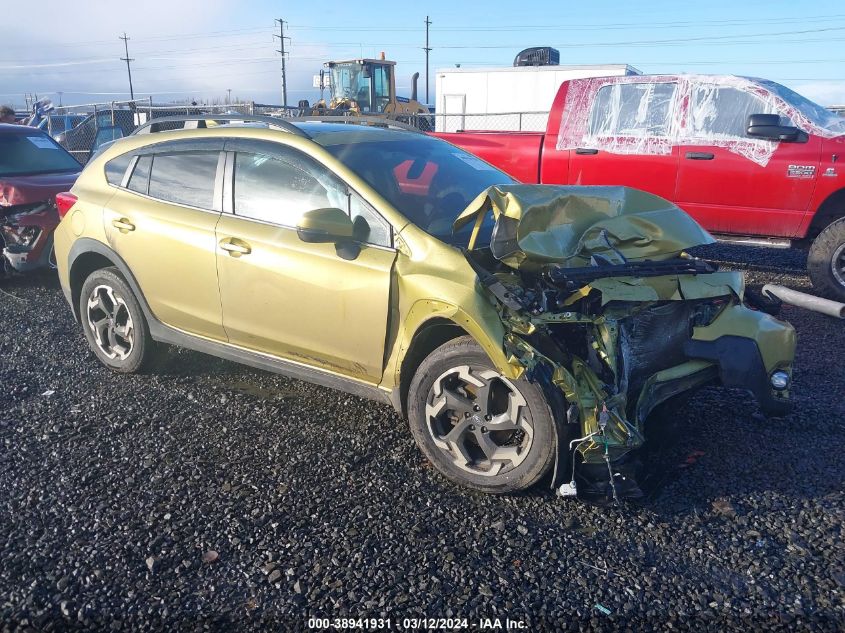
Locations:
column 618, row 319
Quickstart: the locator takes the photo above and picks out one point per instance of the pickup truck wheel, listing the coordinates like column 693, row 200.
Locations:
column 478, row 428
column 114, row 323
column 826, row 261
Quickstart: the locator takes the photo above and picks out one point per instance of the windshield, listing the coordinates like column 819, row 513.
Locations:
column 348, row 82
column 428, row 180
column 816, row 114
column 31, row 154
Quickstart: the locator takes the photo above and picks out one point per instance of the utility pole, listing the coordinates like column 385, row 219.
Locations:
column 282, row 37
column 427, row 50
column 127, row 60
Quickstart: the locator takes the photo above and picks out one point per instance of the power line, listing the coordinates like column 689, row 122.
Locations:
column 127, row 60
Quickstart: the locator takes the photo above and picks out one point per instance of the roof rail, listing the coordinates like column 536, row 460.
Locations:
column 375, row 121
column 273, row 122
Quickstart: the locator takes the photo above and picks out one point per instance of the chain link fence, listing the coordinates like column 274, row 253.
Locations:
column 81, row 129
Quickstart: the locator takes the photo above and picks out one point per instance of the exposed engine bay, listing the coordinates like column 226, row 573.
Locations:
column 605, row 309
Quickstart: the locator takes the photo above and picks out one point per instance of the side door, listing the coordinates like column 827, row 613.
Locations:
column 161, row 221
column 732, row 183
column 288, row 298
column 628, row 139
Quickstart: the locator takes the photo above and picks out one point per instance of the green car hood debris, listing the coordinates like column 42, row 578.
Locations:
column 541, row 224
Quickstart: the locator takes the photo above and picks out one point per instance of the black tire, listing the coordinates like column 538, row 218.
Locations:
column 431, row 414
column 106, row 296
column 826, row 261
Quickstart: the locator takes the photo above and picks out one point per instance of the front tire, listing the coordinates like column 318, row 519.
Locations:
column 826, row 261
column 114, row 323
column 478, row 428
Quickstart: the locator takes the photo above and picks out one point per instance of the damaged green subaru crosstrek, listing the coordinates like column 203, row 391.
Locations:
column 518, row 327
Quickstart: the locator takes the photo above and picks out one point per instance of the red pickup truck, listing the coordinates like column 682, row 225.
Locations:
column 750, row 159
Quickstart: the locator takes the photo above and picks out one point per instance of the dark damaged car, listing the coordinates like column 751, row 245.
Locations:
column 33, row 169
column 523, row 330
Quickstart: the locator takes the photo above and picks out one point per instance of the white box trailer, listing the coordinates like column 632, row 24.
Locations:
column 508, row 98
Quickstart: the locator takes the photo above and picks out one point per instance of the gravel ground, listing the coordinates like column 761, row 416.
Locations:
column 208, row 494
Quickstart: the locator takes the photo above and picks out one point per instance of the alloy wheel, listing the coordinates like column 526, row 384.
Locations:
column 110, row 322
column 837, row 264
column 480, row 420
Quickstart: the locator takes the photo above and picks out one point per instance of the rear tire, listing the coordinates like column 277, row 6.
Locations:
column 114, row 323
column 478, row 428
column 826, row 261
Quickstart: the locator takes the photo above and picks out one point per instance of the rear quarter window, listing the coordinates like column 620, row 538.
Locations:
column 116, row 169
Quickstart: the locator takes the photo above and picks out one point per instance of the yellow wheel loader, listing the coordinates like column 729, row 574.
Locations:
column 368, row 87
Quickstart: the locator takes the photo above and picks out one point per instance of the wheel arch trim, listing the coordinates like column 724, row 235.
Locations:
column 86, row 246
column 427, row 314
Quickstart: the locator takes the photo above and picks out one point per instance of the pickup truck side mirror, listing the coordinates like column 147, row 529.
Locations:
column 768, row 126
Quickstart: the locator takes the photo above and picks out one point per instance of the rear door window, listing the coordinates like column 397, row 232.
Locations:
column 185, row 178
column 116, row 169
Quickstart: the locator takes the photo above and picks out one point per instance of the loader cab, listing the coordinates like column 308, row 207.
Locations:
column 369, row 83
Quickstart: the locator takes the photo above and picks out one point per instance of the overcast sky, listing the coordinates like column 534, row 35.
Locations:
column 198, row 49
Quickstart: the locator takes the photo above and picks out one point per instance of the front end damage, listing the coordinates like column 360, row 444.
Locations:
column 26, row 236
column 603, row 307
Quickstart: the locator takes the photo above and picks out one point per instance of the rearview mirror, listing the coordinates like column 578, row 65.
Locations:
column 768, row 126
column 324, row 225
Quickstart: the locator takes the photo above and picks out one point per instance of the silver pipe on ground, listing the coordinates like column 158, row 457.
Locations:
column 803, row 300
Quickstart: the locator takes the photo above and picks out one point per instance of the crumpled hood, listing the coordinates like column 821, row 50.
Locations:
column 541, row 224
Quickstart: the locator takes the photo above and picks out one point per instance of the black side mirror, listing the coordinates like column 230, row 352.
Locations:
column 768, row 126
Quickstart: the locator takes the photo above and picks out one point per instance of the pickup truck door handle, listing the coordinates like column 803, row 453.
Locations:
column 586, row 151
column 700, row 156
column 235, row 247
column 123, row 224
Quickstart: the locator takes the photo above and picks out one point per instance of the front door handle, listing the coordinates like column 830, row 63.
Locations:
column 235, row 247
column 123, row 224
column 586, row 151
column 700, row 156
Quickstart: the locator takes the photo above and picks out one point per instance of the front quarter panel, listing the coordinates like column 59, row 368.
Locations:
column 433, row 281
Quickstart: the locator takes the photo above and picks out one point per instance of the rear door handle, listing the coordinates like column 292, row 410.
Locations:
column 700, row 156
column 235, row 247
column 123, row 224
column 586, row 151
